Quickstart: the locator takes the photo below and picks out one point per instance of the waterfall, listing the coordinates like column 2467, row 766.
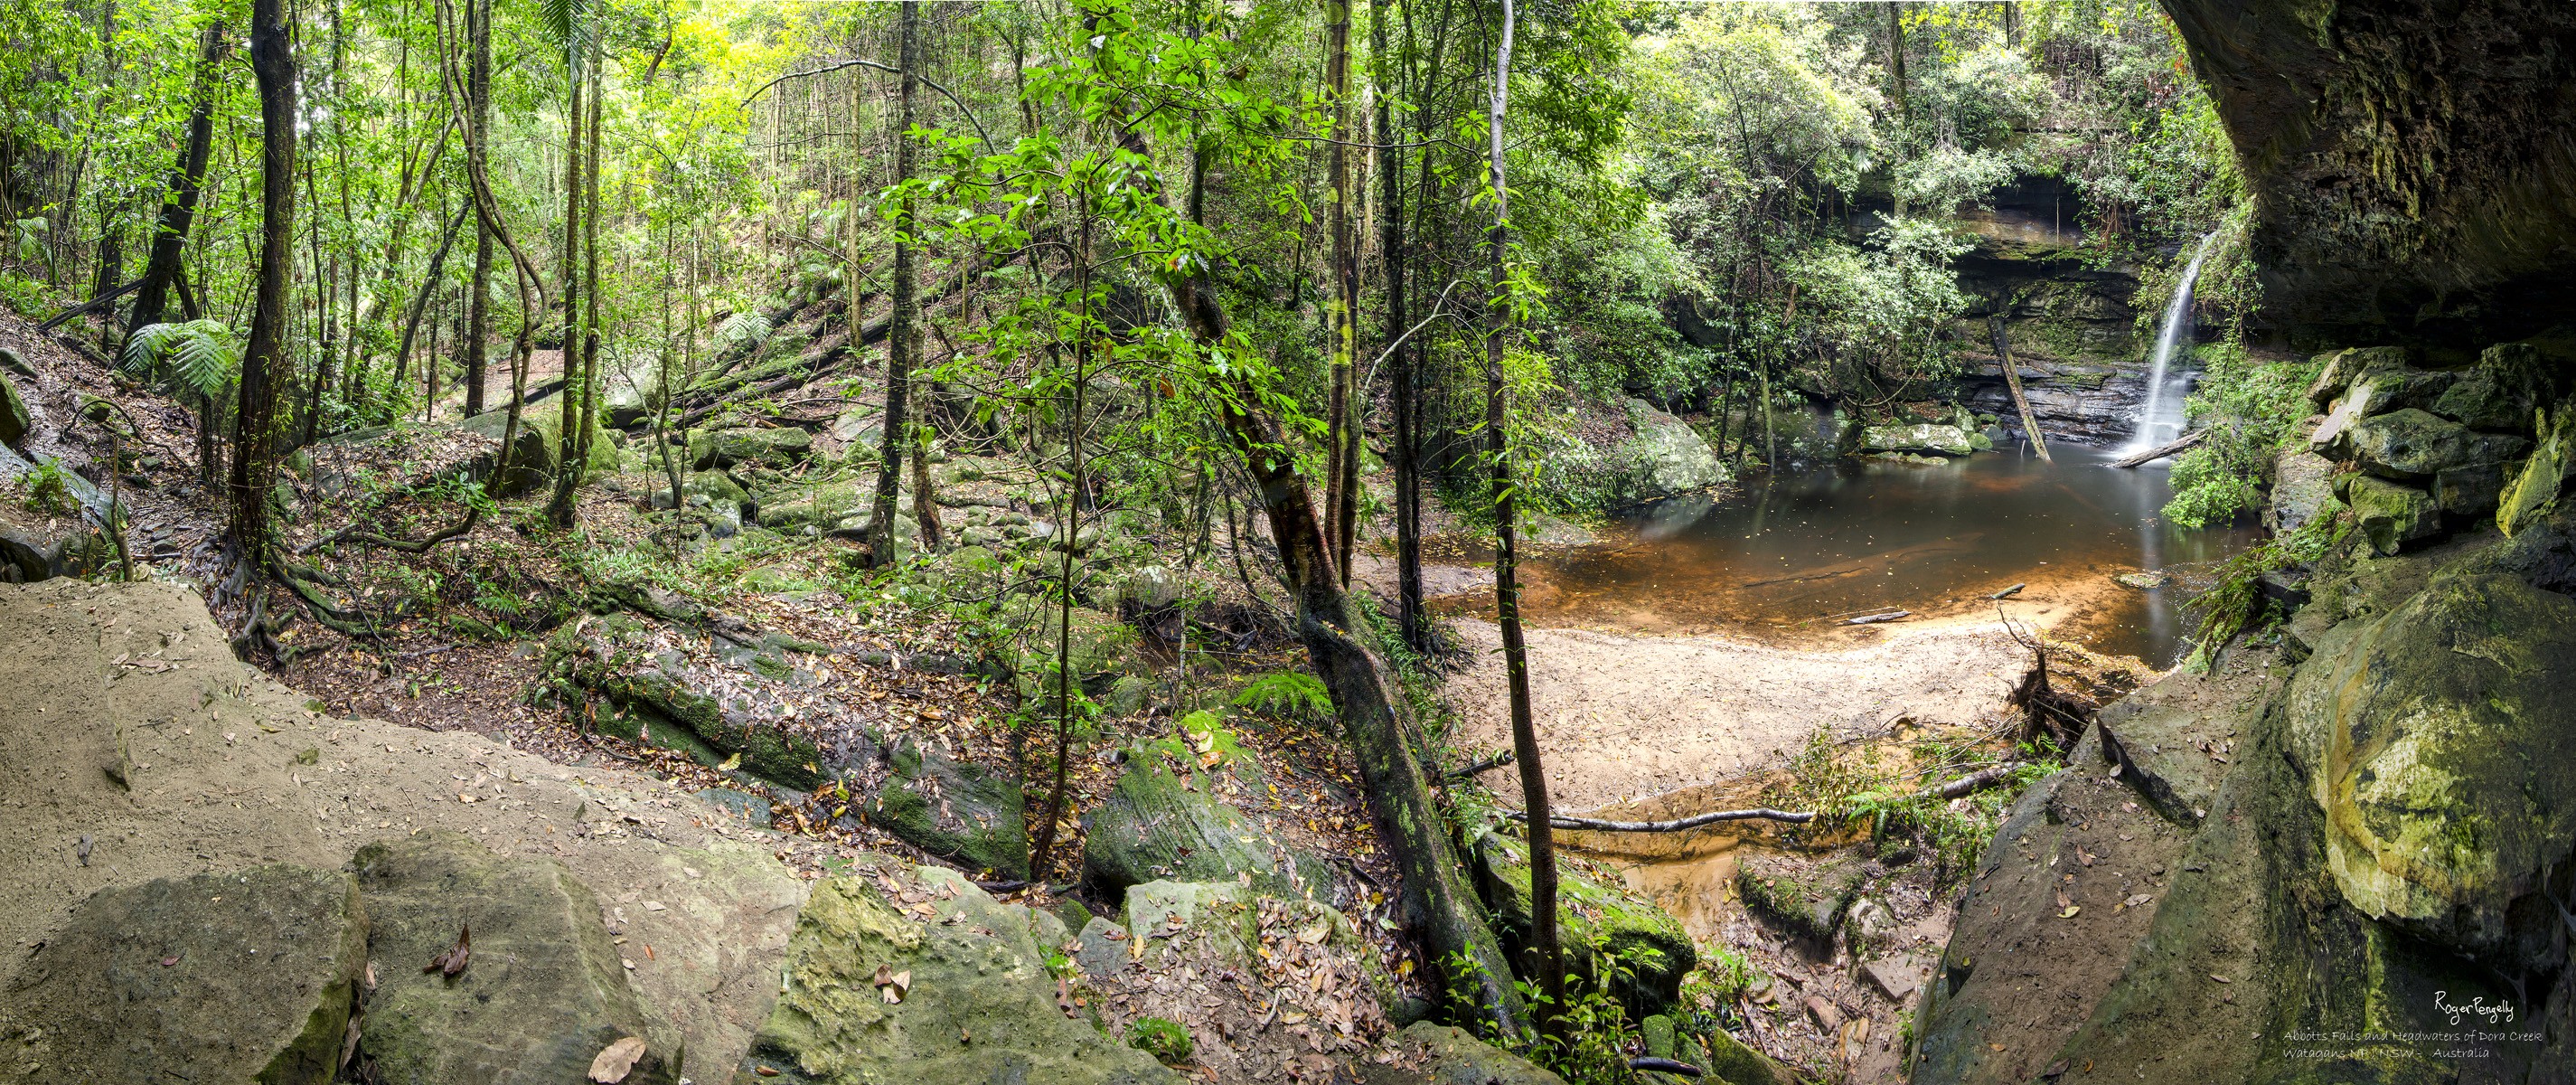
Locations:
column 2160, row 418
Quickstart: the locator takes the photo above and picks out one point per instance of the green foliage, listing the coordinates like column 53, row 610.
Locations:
column 202, row 355
column 2249, row 407
column 1286, row 694
column 2234, row 601
column 47, row 491
column 1162, row 1038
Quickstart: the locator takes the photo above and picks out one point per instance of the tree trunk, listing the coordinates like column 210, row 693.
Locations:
column 1342, row 473
column 903, row 338
column 420, row 304
column 2012, row 380
column 170, row 233
column 272, row 61
column 559, row 508
column 1550, row 960
column 1437, row 902
column 589, row 388
column 478, row 298
column 1408, row 479
column 1070, row 524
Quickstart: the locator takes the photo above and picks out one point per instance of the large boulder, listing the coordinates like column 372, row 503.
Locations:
column 533, row 458
column 1669, row 457
column 15, row 421
column 954, row 810
column 2302, row 490
column 1924, row 437
column 2392, row 514
column 240, row 977
column 818, row 508
column 2500, row 392
column 1429, row 1054
column 661, row 693
column 1161, row 823
column 784, row 446
column 975, row 1002
column 2413, row 445
column 1599, row 914
column 2433, row 739
column 543, row 991
column 1097, row 650
column 2534, row 489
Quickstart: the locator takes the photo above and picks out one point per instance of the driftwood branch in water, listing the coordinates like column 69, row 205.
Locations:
column 2161, row 451
column 1882, row 616
column 1972, row 782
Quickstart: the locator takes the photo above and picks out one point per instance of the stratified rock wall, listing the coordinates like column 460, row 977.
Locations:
column 2413, row 164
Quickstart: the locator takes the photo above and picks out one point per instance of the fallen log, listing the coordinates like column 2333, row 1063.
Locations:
column 1965, row 785
column 2008, row 593
column 1883, row 616
column 2161, row 451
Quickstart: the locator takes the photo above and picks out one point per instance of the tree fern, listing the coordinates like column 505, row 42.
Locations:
column 202, row 355
column 743, row 332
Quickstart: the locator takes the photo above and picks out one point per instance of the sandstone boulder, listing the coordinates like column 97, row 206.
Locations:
column 974, row 1003
column 239, row 977
column 2432, row 738
column 543, row 990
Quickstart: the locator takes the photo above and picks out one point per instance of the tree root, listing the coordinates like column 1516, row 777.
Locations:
column 1965, row 785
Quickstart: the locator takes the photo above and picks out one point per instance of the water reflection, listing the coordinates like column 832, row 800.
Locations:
column 1804, row 550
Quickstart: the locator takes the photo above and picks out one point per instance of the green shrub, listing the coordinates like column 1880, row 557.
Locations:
column 2250, row 407
column 1166, row 1040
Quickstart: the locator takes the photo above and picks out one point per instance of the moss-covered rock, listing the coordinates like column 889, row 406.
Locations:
column 1097, row 651
column 2413, row 445
column 2392, row 514
column 14, row 418
column 1807, row 901
column 819, row 507
column 663, row 698
column 1429, row 1054
column 784, row 446
column 1161, row 823
column 2434, row 740
column 2534, row 489
column 534, row 453
column 978, row 1003
column 2302, row 490
column 1595, row 915
column 2500, row 392
column 953, row 810
column 1669, row 456
column 247, row 976
column 542, row 993
column 1925, row 437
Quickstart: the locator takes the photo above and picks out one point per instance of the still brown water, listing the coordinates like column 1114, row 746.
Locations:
column 1798, row 552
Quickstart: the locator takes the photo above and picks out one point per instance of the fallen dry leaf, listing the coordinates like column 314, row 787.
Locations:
column 615, row 1060
column 453, row 961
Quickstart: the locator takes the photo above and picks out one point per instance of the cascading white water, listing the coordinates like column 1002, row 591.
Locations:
column 2160, row 417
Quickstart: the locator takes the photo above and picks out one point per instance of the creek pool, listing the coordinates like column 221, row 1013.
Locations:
column 1793, row 554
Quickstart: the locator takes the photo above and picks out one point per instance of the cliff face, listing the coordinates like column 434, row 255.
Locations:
column 2073, row 327
column 2413, row 163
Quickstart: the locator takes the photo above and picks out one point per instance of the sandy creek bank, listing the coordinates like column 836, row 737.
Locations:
column 1649, row 727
